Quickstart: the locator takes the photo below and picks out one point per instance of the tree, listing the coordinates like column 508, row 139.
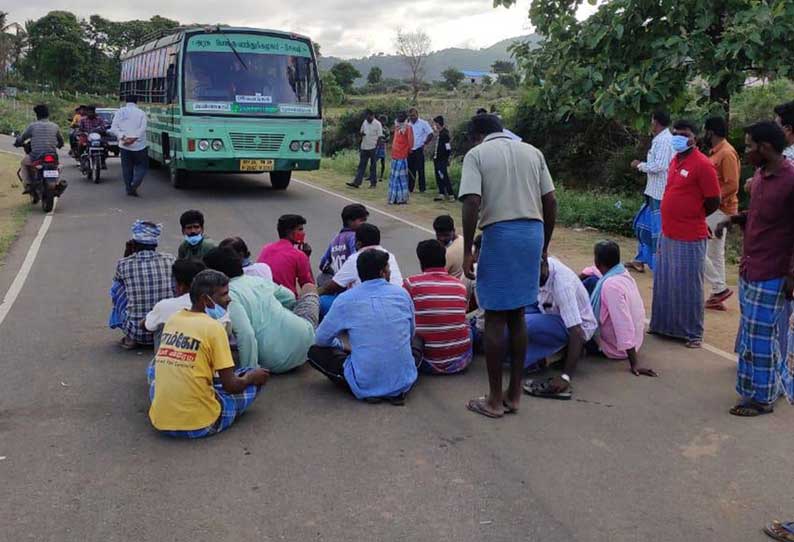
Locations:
column 413, row 48
column 375, row 75
column 332, row 92
column 57, row 50
column 345, row 74
column 508, row 80
column 632, row 56
column 503, row 66
column 452, row 78
column 487, row 81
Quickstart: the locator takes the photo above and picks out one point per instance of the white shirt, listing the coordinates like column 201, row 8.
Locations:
column 259, row 269
column 166, row 308
column 511, row 135
column 347, row 276
column 370, row 131
column 129, row 121
column 788, row 153
column 565, row 295
column 656, row 164
column 422, row 130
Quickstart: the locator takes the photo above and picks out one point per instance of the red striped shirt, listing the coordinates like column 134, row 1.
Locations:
column 440, row 306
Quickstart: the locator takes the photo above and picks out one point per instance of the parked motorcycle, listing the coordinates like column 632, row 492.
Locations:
column 47, row 184
column 93, row 155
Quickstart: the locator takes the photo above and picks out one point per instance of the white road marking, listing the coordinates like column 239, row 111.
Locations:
column 27, row 265
column 706, row 346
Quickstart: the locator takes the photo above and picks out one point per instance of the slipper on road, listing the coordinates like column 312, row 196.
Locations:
column 784, row 532
column 480, row 406
column 542, row 389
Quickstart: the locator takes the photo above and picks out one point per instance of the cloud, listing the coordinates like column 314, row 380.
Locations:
column 347, row 28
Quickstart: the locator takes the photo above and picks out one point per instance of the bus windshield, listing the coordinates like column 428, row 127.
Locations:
column 262, row 76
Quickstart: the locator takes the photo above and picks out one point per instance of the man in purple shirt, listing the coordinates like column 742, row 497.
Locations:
column 344, row 243
column 766, row 272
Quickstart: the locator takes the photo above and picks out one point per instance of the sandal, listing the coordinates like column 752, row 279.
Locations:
column 784, row 532
column 509, row 409
column 128, row 344
column 543, row 390
column 635, row 266
column 694, row 343
column 480, row 406
column 751, row 409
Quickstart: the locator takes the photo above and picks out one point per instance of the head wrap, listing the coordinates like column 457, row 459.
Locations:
column 146, row 233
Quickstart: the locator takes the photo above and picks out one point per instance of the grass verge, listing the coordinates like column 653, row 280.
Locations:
column 14, row 207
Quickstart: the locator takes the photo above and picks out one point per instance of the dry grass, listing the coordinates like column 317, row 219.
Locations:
column 14, row 207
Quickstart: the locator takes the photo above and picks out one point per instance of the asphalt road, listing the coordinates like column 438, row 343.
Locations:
column 631, row 459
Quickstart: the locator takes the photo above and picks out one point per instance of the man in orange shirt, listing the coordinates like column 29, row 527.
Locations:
column 726, row 162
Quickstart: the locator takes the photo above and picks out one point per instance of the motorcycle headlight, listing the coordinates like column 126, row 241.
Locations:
column 203, row 145
column 307, row 146
column 217, row 145
column 295, row 146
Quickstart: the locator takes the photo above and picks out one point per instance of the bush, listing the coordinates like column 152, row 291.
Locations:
column 343, row 134
column 608, row 212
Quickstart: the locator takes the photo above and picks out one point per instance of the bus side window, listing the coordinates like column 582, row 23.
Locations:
column 170, row 83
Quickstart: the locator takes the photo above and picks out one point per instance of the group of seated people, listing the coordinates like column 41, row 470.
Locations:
column 221, row 324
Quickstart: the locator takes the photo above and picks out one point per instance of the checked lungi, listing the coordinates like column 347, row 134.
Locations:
column 678, row 305
column 232, row 407
column 762, row 373
column 648, row 229
column 398, row 181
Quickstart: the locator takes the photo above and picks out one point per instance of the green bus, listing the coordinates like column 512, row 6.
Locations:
column 225, row 99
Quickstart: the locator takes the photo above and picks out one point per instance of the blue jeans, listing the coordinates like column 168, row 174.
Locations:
column 134, row 165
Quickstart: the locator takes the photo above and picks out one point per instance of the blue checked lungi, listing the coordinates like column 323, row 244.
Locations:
column 508, row 271
column 762, row 371
column 783, row 327
column 648, row 229
column 118, row 297
column 232, row 407
column 678, row 305
column 398, row 181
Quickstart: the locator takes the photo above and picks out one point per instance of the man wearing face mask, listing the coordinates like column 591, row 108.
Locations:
column 288, row 257
column 186, row 401
column 692, row 193
column 766, row 273
column 195, row 246
column 726, row 162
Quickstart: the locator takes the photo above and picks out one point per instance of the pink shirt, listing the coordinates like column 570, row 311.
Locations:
column 622, row 318
column 288, row 264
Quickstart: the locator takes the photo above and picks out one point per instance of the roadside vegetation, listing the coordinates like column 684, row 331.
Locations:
column 14, row 207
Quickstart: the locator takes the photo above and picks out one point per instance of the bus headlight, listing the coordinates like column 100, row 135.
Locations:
column 307, row 146
column 203, row 145
column 217, row 145
column 295, row 146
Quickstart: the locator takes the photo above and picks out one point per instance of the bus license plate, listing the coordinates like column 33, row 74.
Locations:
column 50, row 173
column 257, row 165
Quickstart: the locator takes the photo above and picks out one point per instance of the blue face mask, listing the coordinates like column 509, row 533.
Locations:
column 194, row 240
column 246, row 262
column 680, row 143
column 216, row 313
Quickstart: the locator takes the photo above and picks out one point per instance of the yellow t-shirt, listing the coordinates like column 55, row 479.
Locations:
column 193, row 346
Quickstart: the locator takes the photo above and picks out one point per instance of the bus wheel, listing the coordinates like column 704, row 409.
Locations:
column 179, row 177
column 280, row 179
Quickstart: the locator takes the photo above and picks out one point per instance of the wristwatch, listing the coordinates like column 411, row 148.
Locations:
column 566, row 378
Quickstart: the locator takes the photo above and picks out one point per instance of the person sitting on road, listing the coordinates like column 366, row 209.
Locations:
column 343, row 245
column 444, row 227
column 440, row 303
column 563, row 320
column 288, row 257
column 250, row 269
column 142, row 279
column 618, row 307
column 367, row 238
column 195, row 246
column 186, row 400
column 184, row 271
column 272, row 330
column 376, row 319
column 45, row 138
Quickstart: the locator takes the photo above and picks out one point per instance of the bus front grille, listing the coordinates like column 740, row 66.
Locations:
column 256, row 142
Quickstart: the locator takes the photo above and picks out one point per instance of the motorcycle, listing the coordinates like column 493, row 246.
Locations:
column 47, row 183
column 93, row 156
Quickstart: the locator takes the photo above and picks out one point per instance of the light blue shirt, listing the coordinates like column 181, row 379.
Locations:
column 422, row 130
column 130, row 121
column 379, row 320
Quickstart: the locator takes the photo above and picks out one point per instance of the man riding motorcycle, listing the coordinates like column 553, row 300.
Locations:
column 79, row 113
column 45, row 137
column 90, row 123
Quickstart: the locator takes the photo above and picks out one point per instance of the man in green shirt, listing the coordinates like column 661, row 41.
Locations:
column 272, row 330
column 195, row 246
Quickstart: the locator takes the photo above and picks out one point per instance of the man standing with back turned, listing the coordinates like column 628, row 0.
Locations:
column 129, row 126
column 508, row 184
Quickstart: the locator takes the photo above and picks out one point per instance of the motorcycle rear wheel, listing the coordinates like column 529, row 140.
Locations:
column 97, row 169
column 47, row 201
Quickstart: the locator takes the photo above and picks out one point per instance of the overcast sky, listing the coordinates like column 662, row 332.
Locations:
column 347, row 28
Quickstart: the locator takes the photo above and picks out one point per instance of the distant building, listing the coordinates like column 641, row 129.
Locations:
column 476, row 78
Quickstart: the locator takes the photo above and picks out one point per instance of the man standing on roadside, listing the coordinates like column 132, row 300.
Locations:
column 784, row 116
column 692, row 194
column 507, row 183
column 371, row 132
column 129, row 126
column 766, row 273
column 726, row 161
column 423, row 135
column 648, row 222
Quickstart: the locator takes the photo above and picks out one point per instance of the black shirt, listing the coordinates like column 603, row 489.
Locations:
column 442, row 152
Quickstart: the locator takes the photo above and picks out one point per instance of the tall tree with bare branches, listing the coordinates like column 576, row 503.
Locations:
column 413, row 48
